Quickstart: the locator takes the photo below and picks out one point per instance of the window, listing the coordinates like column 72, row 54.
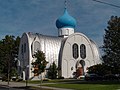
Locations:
column 75, row 51
column 82, row 62
column 82, row 51
column 24, row 47
column 36, row 46
column 32, row 49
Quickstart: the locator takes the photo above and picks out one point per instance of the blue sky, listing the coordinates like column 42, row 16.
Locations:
column 19, row 16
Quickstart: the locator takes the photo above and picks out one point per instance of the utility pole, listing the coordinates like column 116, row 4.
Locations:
column 9, row 59
column 8, row 71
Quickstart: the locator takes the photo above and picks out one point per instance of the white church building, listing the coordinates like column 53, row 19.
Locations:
column 73, row 52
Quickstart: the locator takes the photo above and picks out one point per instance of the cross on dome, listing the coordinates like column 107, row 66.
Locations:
column 65, row 4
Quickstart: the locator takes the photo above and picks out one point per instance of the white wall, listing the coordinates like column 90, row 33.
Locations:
column 67, row 57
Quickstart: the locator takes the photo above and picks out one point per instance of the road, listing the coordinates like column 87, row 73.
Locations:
column 3, row 88
column 10, row 88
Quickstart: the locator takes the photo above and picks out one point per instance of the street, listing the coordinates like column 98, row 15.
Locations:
column 3, row 88
column 10, row 88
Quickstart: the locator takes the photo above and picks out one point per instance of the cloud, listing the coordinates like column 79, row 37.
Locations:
column 19, row 16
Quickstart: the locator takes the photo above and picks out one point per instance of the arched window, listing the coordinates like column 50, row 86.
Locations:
column 36, row 46
column 75, row 51
column 82, row 51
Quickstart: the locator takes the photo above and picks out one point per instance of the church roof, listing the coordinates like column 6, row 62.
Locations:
column 65, row 21
column 47, row 37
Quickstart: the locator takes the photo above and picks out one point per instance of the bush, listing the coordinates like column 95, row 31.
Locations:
column 20, row 79
column 61, row 78
column 4, row 78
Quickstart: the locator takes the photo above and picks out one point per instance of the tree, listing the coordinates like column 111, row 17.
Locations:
column 8, row 49
column 99, row 69
column 40, row 63
column 111, row 45
column 52, row 71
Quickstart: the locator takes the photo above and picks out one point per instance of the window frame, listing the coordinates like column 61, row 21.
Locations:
column 75, row 50
column 83, row 51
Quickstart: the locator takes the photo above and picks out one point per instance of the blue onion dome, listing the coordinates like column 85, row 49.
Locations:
column 65, row 21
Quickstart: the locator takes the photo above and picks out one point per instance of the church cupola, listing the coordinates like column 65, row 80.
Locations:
column 65, row 24
column 66, row 21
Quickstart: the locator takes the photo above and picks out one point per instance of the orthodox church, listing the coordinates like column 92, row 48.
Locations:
column 73, row 52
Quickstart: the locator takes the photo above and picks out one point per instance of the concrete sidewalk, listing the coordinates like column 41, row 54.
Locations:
column 20, row 84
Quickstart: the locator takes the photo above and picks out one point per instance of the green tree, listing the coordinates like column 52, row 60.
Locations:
column 111, row 45
column 99, row 69
column 40, row 63
column 8, row 52
column 52, row 71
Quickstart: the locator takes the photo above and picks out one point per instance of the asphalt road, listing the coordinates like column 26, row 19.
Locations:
column 9, row 88
column 3, row 88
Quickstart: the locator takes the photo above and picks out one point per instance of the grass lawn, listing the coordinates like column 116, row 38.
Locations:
column 81, row 85
column 87, row 86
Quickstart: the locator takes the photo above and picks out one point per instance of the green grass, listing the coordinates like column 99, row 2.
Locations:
column 53, row 81
column 87, row 86
column 80, row 85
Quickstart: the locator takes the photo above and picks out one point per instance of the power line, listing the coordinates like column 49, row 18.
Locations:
column 107, row 3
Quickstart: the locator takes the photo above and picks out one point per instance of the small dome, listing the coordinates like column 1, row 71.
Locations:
column 65, row 21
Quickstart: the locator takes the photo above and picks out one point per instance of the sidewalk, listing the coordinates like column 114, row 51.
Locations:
column 20, row 85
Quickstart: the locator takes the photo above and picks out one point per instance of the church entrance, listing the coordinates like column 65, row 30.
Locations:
column 80, row 68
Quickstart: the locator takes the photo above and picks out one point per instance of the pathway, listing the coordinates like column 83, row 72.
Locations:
column 20, row 84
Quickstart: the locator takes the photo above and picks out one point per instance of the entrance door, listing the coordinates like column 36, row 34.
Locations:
column 79, row 71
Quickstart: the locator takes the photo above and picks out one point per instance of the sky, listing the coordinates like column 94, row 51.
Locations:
column 39, row 16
